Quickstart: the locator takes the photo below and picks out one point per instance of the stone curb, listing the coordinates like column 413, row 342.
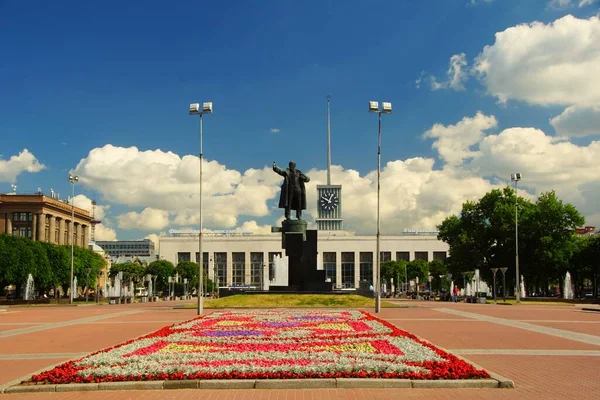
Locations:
column 327, row 383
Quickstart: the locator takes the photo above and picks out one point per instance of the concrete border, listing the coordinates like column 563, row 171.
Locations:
column 326, row 383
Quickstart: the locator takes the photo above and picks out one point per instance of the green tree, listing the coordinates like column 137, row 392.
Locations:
column 43, row 276
column 437, row 268
column 59, row 258
column 188, row 270
column 418, row 268
column 163, row 269
column 395, row 270
column 17, row 261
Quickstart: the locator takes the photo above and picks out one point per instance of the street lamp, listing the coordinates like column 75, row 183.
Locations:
column 386, row 108
column 516, row 178
column 207, row 108
column 494, row 270
column 73, row 179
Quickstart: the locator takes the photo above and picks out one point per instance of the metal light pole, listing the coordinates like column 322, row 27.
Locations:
column 503, row 269
column 386, row 108
column 516, row 178
column 494, row 270
column 73, row 179
column 195, row 110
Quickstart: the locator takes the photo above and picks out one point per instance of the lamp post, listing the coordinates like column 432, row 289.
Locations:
column 207, row 108
column 386, row 108
column 154, row 286
column 516, row 178
column 73, row 179
column 494, row 270
column 503, row 269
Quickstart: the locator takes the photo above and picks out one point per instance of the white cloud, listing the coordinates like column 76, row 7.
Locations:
column 457, row 74
column 148, row 219
column 155, row 239
column 564, row 4
column 15, row 165
column 275, row 130
column 102, row 231
column 475, row 2
column 454, row 141
column 577, row 121
column 544, row 64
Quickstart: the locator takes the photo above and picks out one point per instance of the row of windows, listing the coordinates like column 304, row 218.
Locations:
column 329, row 265
column 125, row 246
column 22, row 216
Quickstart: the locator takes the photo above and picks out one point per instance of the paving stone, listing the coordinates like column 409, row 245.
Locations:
column 189, row 384
column 30, row 389
column 295, row 383
column 459, row 383
column 77, row 387
column 226, row 384
column 373, row 383
column 149, row 385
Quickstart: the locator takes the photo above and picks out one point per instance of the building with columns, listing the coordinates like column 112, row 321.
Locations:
column 235, row 259
column 44, row 219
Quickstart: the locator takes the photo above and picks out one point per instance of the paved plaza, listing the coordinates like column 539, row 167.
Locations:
column 548, row 351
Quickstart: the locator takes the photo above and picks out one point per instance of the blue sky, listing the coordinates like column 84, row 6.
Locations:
column 78, row 76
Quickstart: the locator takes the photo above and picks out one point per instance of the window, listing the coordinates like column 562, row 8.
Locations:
column 238, row 268
column 22, row 232
column 366, row 266
column 402, row 256
column 385, row 256
column 348, row 270
column 221, row 269
column 29, row 232
column 256, row 269
column 15, row 216
column 421, row 255
column 439, row 255
column 30, row 217
column 23, row 217
column 272, row 264
column 329, row 267
column 204, row 262
column 182, row 256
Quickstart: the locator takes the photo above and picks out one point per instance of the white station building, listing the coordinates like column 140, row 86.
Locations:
column 245, row 259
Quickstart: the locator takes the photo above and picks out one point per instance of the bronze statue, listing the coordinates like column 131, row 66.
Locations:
column 293, row 192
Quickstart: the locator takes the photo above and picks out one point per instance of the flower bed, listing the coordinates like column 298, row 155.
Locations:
column 268, row 344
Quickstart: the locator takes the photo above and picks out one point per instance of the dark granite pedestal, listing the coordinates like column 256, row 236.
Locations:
column 300, row 245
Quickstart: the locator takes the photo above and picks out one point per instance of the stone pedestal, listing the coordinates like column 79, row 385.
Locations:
column 300, row 247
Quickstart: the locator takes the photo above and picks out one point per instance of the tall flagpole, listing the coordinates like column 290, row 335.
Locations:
column 328, row 141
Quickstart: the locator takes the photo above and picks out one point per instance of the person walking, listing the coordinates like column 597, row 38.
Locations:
column 455, row 293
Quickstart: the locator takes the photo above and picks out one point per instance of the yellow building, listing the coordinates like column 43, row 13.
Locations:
column 44, row 219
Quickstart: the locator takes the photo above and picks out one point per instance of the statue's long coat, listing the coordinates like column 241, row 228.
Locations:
column 285, row 187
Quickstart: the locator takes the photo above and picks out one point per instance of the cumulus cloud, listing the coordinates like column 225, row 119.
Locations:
column 544, row 64
column 577, row 121
column 102, row 231
column 275, row 130
column 155, row 239
column 453, row 142
column 456, row 75
column 15, row 165
column 149, row 219
column 564, row 4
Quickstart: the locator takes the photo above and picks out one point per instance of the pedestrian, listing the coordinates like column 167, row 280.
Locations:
column 455, row 293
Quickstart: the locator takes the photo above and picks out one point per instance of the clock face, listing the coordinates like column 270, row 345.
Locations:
column 328, row 201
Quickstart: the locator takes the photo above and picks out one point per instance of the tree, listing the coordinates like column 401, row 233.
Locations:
column 43, row 276
column 16, row 261
column 418, row 269
column 395, row 270
column 163, row 269
column 188, row 270
column 59, row 258
column 437, row 268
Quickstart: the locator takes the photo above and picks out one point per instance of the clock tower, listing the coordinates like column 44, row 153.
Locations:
column 329, row 197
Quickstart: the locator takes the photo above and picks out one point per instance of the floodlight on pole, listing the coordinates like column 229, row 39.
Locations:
column 207, row 108
column 386, row 108
column 73, row 179
column 516, row 178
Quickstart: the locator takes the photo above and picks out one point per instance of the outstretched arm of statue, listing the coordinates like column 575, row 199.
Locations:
column 278, row 170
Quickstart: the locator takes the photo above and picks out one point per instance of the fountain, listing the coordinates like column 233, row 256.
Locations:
column 75, row 287
column 568, row 292
column 29, row 287
column 523, row 295
column 280, row 267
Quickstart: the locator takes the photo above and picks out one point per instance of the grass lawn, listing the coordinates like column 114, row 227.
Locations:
column 291, row 300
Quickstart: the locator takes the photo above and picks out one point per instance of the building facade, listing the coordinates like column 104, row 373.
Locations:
column 346, row 259
column 44, row 219
column 127, row 248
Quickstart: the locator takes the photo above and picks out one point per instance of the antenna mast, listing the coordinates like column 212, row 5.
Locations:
column 328, row 141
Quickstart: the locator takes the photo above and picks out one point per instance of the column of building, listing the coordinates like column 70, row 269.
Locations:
column 52, row 229
column 86, row 235
column 61, row 231
column 8, row 224
column 41, row 227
